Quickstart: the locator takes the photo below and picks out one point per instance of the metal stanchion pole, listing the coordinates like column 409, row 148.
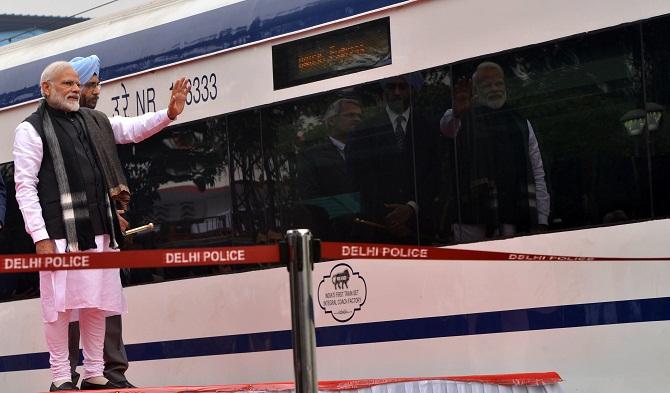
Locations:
column 300, row 263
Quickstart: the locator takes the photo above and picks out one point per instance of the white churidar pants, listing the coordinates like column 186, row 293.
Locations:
column 92, row 328
column 85, row 295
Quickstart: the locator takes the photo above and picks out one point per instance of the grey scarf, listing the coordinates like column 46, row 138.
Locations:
column 72, row 195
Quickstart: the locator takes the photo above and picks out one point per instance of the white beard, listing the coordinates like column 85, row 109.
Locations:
column 61, row 102
column 495, row 103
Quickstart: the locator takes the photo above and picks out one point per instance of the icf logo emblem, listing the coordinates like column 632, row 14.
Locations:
column 342, row 292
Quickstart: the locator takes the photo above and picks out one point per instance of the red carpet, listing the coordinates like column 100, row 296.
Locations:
column 527, row 379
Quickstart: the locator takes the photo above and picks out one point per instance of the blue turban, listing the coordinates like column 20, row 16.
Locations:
column 86, row 67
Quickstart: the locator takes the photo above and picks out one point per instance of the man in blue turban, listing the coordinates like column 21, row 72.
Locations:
column 393, row 161
column 88, row 69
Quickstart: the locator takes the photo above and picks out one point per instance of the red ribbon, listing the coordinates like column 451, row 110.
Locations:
column 394, row 251
column 140, row 259
column 20, row 263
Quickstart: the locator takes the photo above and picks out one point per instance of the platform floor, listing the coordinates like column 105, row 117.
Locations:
column 508, row 383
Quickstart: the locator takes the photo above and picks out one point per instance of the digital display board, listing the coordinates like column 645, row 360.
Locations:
column 339, row 52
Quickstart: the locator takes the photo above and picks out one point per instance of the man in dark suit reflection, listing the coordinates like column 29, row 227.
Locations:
column 325, row 187
column 394, row 165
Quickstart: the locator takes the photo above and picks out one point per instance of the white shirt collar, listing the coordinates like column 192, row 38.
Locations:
column 340, row 146
column 393, row 116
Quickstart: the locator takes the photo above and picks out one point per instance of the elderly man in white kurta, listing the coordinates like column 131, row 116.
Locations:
column 66, row 168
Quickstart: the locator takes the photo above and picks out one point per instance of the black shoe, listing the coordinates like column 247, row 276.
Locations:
column 125, row 384
column 85, row 385
column 67, row 386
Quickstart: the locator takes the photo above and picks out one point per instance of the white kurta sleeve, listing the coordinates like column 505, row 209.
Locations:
column 542, row 198
column 27, row 162
column 136, row 129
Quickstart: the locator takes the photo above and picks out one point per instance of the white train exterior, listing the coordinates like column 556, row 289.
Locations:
column 601, row 325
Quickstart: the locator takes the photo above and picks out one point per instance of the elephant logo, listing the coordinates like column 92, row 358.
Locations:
column 341, row 279
column 342, row 292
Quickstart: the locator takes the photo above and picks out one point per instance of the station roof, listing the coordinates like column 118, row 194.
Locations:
column 13, row 22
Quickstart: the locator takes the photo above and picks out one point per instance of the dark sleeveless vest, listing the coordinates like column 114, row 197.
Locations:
column 495, row 174
column 80, row 161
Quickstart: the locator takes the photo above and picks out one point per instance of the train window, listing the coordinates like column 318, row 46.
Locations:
column 15, row 240
column 657, row 84
column 537, row 141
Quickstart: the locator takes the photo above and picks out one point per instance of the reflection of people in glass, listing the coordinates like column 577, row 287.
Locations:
column 502, row 187
column 13, row 240
column 324, row 184
column 3, row 202
column 321, row 169
column 393, row 161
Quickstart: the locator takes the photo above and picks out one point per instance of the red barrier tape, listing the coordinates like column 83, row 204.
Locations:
column 331, row 250
column 21, row 263
column 140, row 259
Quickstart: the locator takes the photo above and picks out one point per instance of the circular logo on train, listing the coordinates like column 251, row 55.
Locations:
column 342, row 292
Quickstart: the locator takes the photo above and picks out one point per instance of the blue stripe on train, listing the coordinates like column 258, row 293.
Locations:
column 223, row 28
column 542, row 318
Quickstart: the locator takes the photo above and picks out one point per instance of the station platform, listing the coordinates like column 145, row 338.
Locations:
column 547, row 382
